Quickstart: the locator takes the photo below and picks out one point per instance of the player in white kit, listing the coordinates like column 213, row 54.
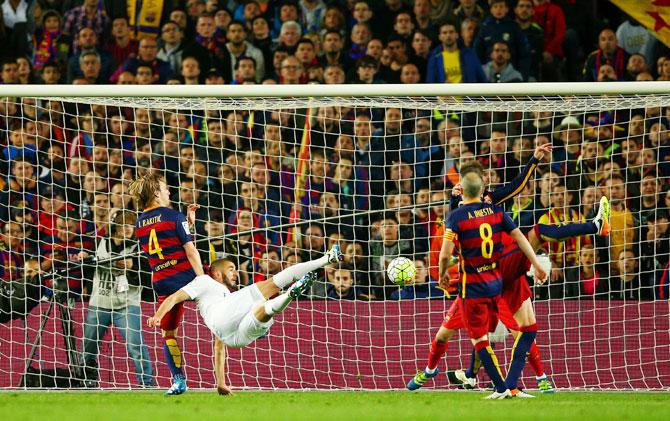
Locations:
column 238, row 318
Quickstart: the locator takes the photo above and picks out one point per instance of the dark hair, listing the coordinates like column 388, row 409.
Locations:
column 367, row 60
column 237, row 63
column 471, row 166
column 237, row 22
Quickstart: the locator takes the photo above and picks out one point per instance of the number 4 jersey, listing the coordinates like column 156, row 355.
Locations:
column 479, row 228
column 162, row 233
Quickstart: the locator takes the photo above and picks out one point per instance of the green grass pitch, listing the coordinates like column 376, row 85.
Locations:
column 272, row 406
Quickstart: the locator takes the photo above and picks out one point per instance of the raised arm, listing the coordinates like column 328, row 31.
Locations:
column 167, row 305
column 514, row 187
column 194, row 258
column 524, row 245
column 220, row 367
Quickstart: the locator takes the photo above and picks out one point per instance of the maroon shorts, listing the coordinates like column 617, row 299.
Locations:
column 173, row 317
column 454, row 318
column 513, row 267
column 480, row 315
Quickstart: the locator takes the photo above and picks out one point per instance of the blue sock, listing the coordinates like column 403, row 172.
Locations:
column 490, row 363
column 561, row 233
column 173, row 357
column 519, row 352
column 471, row 372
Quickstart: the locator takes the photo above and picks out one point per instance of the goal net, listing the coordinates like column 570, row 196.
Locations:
column 279, row 179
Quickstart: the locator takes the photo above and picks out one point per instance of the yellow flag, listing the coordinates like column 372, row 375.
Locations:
column 653, row 14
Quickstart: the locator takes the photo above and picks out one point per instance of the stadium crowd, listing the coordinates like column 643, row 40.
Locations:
column 381, row 178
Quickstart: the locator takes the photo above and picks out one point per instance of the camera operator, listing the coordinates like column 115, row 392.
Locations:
column 64, row 251
column 115, row 298
column 19, row 296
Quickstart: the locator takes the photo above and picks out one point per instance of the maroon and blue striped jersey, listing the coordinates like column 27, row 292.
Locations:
column 479, row 228
column 162, row 233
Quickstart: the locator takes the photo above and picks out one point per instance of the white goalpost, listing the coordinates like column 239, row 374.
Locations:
column 281, row 173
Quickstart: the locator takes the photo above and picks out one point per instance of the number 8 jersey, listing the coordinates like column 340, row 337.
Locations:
column 478, row 227
column 162, row 233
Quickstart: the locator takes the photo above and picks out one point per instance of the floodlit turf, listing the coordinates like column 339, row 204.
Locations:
column 272, row 406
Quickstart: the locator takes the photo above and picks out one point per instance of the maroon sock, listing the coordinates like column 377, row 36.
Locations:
column 437, row 350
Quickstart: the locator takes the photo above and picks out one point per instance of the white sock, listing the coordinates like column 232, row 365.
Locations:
column 277, row 304
column 430, row 370
column 291, row 274
column 544, row 376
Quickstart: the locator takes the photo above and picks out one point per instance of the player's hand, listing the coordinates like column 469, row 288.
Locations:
column 556, row 274
column 154, row 321
column 457, row 190
column 543, row 150
column 190, row 213
column 224, row 390
column 541, row 275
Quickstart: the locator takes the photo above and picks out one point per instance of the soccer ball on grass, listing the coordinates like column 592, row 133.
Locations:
column 401, row 271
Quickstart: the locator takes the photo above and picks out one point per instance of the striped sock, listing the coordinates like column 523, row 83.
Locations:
column 519, row 351
column 173, row 357
column 490, row 363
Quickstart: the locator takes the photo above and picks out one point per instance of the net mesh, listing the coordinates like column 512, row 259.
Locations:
column 280, row 180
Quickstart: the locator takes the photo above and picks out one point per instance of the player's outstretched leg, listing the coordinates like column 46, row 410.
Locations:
column 291, row 274
column 279, row 303
column 554, row 233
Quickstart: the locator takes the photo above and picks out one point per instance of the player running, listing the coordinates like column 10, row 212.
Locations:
column 165, row 237
column 478, row 227
column 238, row 318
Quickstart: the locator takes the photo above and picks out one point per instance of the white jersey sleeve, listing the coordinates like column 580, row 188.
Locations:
column 203, row 286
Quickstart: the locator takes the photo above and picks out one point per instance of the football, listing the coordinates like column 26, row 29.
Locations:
column 401, row 271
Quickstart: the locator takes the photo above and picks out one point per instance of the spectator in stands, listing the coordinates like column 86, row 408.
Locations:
column 269, row 264
column 360, row 36
column 591, row 282
column 608, row 52
column 551, row 18
column 147, row 54
column 422, row 286
column 523, row 12
column 366, row 71
column 404, row 25
column 238, row 46
column 385, row 249
column 49, row 43
column 636, row 39
column 636, row 65
column 91, row 66
column 88, row 42
column 564, row 255
column 500, row 69
column 468, row 31
column 50, row 74
column 90, row 14
column 654, row 244
column 626, row 284
column 171, row 50
column 190, row 71
column 68, row 245
column 121, row 46
column 468, row 10
column 291, row 71
column 11, row 251
column 10, row 71
column 333, row 75
column 409, row 73
column 343, row 284
column 306, row 53
column 499, row 27
column 622, row 221
column 289, row 35
column 115, row 299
